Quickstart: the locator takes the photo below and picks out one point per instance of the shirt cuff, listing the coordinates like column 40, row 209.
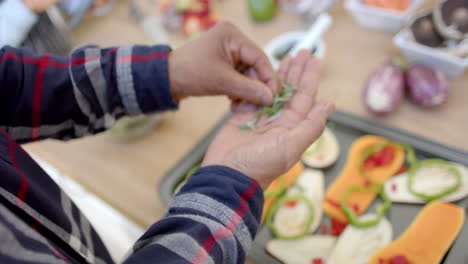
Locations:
column 153, row 88
column 231, row 189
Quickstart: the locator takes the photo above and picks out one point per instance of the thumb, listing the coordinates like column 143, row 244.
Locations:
column 244, row 88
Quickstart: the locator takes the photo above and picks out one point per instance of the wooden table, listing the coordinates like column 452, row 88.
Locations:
column 127, row 174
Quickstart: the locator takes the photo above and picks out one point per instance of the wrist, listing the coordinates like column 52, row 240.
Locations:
column 174, row 81
column 239, row 168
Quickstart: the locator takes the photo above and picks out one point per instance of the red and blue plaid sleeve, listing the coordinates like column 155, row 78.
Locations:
column 213, row 219
column 67, row 97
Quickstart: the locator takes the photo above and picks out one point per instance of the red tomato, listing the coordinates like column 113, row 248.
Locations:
column 370, row 163
column 381, row 158
column 291, row 204
column 317, row 261
column 387, row 155
column 337, row 227
column 400, row 259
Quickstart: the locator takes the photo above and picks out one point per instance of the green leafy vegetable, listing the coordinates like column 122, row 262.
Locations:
column 281, row 202
column 274, row 111
column 431, row 162
column 381, row 209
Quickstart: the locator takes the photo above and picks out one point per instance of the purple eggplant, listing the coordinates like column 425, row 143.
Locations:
column 384, row 90
column 426, row 86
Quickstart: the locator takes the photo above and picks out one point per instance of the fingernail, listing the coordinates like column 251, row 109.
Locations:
column 329, row 107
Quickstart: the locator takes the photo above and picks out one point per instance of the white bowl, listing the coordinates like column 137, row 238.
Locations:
column 283, row 42
column 451, row 65
column 380, row 18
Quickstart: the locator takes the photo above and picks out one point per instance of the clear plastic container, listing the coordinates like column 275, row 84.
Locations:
column 451, row 65
column 379, row 18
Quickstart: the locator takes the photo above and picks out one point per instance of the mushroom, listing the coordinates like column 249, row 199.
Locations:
column 451, row 18
column 424, row 31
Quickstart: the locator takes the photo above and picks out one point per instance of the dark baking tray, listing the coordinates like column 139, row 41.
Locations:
column 347, row 128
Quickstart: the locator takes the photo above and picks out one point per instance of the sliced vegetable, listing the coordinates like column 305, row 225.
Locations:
column 352, row 175
column 429, row 180
column 306, row 250
column 428, row 238
column 186, row 178
column 357, row 245
column 410, row 154
column 337, row 227
column 273, row 111
column 311, row 184
column 434, row 164
column 399, row 259
column 278, row 187
column 376, row 156
column 384, row 90
column 278, row 191
column 323, row 152
column 426, row 87
column 291, row 222
column 351, row 212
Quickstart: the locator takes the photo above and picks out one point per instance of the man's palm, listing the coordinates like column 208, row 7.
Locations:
column 272, row 148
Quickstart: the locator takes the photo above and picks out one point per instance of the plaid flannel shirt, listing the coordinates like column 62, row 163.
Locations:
column 213, row 219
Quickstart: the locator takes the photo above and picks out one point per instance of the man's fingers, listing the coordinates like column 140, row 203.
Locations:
column 245, row 52
column 250, row 90
column 304, row 97
column 244, row 108
column 304, row 134
column 284, row 68
column 297, row 67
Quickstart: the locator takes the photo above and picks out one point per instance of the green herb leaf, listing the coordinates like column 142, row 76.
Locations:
column 274, row 111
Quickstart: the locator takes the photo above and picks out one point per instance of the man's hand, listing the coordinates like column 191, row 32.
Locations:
column 273, row 148
column 39, row 6
column 215, row 63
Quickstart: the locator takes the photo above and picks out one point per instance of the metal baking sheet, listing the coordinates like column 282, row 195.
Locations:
column 347, row 128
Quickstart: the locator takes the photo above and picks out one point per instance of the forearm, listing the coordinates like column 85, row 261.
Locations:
column 68, row 97
column 213, row 219
column 16, row 20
